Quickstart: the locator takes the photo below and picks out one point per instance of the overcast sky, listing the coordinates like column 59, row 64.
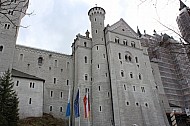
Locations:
column 55, row 23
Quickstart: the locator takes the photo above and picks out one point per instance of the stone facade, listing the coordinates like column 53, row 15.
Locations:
column 112, row 67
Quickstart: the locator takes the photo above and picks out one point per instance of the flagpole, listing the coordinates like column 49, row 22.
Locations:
column 79, row 106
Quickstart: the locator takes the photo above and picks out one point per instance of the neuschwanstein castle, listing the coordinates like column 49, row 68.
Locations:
column 131, row 79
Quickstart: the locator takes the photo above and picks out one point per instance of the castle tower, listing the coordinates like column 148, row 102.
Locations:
column 10, row 23
column 102, row 114
column 183, row 21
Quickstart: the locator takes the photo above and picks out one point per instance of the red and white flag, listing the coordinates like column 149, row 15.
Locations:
column 86, row 106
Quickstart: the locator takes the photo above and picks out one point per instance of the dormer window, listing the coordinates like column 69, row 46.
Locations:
column 40, row 60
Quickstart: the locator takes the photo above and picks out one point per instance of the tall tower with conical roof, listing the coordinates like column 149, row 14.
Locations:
column 102, row 114
column 183, row 21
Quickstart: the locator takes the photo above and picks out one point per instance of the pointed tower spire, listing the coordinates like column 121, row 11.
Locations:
column 182, row 5
column 138, row 32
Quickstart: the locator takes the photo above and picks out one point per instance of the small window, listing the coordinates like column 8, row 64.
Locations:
column 67, row 82
column 61, row 109
column 96, row 47
column 134, row 88
column 51, row 93
column 119, row 55
column 143, row 89
column 17, row 82
column 40, row 59
column 108, row 94
column 106, row 74
column 87, row 90
column 85, row 45
column 140, row 77
column 117, row 40
column 50, row 108
column 127, row 103
column 21, row 57
column 54, row 80
column 104, row 55
column 61, row 94
column 124, row 87
column 136, row 59
column 1, row 48
column 6, row 26
column 33, row 85
column 133, row 44
column 96, row 31
column 124, row 42
column 146, row 104
column 99, row 88
column 30, row 100
column 131, row 74
column 100, row 108
column 86, row 77
column 122, row 73
column 30, row 84
column 67, row 65
column 49, row 68
column 55, row 63
column 85, row 59
column 98, row 66
column 94, row 19
column 126, row 58
column 130, row 59
column 61, row 70
column 137, row 104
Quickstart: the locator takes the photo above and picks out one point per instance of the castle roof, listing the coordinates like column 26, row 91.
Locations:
column 16, row 73
column 182, row 5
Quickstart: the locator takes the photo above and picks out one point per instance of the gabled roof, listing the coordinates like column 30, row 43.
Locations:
column 182, row 5
column 16, row 73
column 122, row 27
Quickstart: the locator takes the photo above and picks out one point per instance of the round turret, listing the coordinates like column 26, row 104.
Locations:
column 96, row 11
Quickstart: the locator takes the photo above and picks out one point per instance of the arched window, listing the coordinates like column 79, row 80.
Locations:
column 40, row 60
column 85, row 59
column 1, row 48
column 126, row 58
column 86, row 77
column 85, row 45
column 133, row 44
column 130, row 59
column 136, row 59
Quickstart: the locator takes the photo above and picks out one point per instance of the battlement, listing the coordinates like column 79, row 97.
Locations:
column 96, row 10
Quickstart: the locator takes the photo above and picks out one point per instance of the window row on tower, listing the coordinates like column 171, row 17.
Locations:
column 127, row 103
column 128, row 57
column 124, row 42
column 134, row 88
column 131, row 75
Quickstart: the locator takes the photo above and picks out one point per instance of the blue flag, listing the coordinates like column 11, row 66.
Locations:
column 76, row 105
column 68, row 113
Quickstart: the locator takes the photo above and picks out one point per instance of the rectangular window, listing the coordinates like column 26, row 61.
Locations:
column 54, row 80
column 51, row 94
column 67, row 65
column 61, row 94
column 50, row 108
column 98, row 66
column 143, row 89
column 55, row 63
column 100, row 108
column 17, row 82
column 30, row 84
column 119, row 55
column 99, row 88
column 134, row 88
column 124, row 87
column 136, row 59
column 67, row 82
column 104, row 55
column 33, row 85
column 21, row 57
column 30, row 101
column 86, row 77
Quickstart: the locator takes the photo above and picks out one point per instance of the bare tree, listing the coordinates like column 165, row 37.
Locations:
column 11, row 11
